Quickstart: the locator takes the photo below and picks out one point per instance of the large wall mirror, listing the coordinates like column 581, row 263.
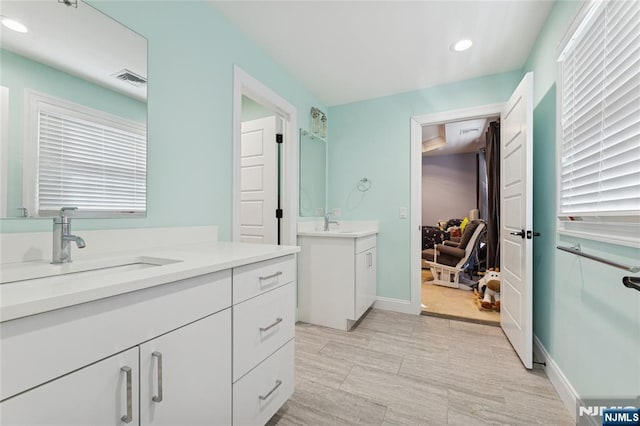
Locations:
column 73, row 128
column 313, row 175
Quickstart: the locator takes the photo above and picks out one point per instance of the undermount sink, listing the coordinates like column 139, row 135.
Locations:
column 41, row 271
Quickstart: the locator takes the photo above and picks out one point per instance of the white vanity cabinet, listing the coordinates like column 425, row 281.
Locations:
column 365, row 275
column 185, row 375
column 94, row 395
column 263, row 339
column 168, row 373
column 170, row 354
column 336, row 278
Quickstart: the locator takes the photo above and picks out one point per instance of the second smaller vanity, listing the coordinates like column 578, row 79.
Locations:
column 336, row 273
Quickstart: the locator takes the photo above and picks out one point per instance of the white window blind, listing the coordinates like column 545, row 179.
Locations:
column 600, row 116
column 97, row 164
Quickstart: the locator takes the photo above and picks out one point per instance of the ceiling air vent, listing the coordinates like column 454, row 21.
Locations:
column 465, row 131
column 130, row 77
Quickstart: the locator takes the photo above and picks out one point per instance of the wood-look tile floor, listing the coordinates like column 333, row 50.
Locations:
column 397, row 369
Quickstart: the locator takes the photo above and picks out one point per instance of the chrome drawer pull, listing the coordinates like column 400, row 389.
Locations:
column 268, row 277
column 158, row 398
column 276, row 322
column 278, row 383
column 129, row 416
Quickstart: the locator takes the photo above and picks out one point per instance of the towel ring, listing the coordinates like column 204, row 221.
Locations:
column 364, row 185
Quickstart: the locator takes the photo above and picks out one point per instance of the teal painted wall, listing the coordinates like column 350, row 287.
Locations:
column 251, row 110
column 19, row 73
column 372, row 139
column 192, row 49
column 588, row 322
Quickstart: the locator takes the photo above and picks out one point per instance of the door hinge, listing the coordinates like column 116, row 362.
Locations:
column 531, row 234
column 278, row 213
column 279, row 138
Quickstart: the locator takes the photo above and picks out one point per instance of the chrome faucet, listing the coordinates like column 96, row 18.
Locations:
column 62, row 237
column 327, row 221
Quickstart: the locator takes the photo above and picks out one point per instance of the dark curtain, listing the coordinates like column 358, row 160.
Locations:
column 493, row 205
column 482, row 194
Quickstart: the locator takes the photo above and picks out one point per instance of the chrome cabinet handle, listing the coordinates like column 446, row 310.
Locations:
column 370, row 257
column 268, row 277
column 129, row 416
column 276, row 322
column 263, row 397
column 158, row 398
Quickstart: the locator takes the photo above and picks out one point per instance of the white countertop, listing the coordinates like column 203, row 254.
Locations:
column 33, row 296
column 336, row 233
column 343, row 229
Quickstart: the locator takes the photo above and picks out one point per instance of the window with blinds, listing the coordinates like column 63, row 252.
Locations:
column 97, row 163
column 599, row 114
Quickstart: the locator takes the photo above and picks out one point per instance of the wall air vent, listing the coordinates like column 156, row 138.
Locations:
column 130, row 77
column 465, row 131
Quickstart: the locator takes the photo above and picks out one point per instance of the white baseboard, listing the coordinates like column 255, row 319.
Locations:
column 396, row 305
column 557, row 378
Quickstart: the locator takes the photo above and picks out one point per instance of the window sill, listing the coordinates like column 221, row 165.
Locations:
column 614, row 235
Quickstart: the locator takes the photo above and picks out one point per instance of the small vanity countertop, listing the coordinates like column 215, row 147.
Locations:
column 22, row 298
column 344, row 229
column 337, row 233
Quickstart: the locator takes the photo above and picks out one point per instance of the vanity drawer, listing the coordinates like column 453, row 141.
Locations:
column 259, row 394
column 365, row 243
column 256, row 278
column 57, row 342
column 261, row 325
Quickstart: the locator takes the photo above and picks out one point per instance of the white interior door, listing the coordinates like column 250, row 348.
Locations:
column 258, row 181
column 516, row 213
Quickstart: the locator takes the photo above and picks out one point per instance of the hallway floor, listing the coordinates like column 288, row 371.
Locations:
column 455, row 303
column 400, row 369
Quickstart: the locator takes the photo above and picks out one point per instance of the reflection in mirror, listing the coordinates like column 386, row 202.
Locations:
column 313, row 175
column 74, row 112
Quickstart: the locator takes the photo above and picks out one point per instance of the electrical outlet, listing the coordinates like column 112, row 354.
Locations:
column 336, row 212
column 403, row 212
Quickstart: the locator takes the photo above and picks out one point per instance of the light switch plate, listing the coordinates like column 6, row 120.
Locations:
column 403, row 212
column 336, row 212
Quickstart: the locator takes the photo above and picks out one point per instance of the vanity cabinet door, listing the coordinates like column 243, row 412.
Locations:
column 185, row 375
column 104, row 393
column 365, row 286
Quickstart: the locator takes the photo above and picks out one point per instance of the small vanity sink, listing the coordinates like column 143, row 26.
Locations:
column 41, row 271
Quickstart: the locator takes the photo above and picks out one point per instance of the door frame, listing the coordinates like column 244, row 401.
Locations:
column 417, row 121
column 245, row 84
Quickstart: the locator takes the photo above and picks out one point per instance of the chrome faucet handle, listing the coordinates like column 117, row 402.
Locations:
column 67, row 209
column 63, row 217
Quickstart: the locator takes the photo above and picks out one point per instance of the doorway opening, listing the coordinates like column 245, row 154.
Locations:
column 265, row 166
column 417, row 123
column 260, row 174
column 456, row 214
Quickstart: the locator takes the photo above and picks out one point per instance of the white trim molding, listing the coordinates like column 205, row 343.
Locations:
column 561, row 384
column 396, row 305
column 4, row 149
column 245, row 84
column 416, row 124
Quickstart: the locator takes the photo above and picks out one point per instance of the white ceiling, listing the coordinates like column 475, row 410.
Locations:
column 346, row 51
column 81, row 41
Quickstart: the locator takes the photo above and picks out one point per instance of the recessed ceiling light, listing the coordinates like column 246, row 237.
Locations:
column 462, row 45
column 14, row 25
